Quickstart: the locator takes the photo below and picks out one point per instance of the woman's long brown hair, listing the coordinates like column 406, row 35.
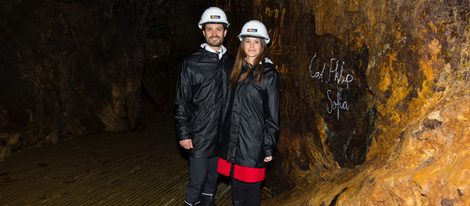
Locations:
column 240, row 62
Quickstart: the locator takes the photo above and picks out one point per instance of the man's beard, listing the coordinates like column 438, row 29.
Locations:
column 215, row 42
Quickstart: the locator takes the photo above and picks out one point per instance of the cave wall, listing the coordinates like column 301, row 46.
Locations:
column 70, row 68
column 375, row 94
column 375, row 100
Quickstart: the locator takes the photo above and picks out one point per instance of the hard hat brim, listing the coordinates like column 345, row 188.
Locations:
column 223, row 23
column 255, row 36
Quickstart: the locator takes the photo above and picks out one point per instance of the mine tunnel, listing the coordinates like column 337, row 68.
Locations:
column 375, row 100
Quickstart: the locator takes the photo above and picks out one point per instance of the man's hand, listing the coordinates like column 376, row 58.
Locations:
column 187, row 143
column 268, row 159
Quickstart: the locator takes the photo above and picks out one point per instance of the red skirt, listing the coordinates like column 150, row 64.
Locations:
column 242, row 173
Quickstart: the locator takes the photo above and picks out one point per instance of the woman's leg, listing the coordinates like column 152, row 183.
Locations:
column 237, row 192
column 246, row 194
column 253, row 194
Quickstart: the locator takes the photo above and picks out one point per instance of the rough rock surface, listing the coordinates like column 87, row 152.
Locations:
column 375, row 107
column 70, row 68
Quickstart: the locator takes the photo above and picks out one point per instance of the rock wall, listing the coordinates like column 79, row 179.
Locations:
column 70, row 68
column 375, row 107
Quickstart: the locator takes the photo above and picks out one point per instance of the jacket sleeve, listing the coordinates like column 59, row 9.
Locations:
column 183, row 98
column 271, row 112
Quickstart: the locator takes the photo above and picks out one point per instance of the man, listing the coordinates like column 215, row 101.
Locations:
column 200, row 93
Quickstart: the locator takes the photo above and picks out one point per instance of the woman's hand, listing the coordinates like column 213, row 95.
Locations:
column 268, row 159
column 187, row 143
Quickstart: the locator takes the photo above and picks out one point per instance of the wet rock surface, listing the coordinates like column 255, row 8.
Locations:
column 356, row 77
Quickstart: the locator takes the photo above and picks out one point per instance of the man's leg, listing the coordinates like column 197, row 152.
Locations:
column 198, row 168
column 208, row 193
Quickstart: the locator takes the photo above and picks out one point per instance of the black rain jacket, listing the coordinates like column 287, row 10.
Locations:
column 251, row 120
column 200, row 94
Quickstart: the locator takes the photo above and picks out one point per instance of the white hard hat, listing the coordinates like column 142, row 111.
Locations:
column 213, row 15
column 254, row 28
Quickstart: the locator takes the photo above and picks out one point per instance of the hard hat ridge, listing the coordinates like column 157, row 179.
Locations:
column 254, row 28
column 213, row 15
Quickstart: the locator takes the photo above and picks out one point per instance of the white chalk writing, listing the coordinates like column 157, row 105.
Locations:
column 335, row 106
column 332, row 72
column 335, row 69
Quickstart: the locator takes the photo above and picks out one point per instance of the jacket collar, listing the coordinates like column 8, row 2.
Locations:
column 208, row 57
column 268, row 65
column 209, row 49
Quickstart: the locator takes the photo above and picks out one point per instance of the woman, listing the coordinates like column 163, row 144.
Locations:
column 251, row 116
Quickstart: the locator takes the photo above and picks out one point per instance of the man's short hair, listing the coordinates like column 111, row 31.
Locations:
column 204, row 25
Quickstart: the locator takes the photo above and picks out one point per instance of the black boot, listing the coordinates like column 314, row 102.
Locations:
column 238, row 203
column 253, row 201
column 189, row 204
column 207, row 200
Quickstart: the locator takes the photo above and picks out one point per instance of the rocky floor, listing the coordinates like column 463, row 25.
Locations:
column 137, row 168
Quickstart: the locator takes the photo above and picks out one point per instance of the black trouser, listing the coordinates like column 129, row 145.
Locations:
column 202, row 178
column 246, row 194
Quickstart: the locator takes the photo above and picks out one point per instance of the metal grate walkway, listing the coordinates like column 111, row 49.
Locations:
column 137, row 168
